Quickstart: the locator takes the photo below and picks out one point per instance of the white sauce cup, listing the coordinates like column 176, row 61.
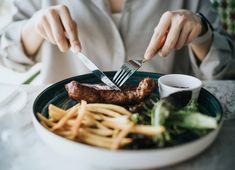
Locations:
column 172, row 83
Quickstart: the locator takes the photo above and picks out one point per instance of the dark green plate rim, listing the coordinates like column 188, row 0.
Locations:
column 50, row 92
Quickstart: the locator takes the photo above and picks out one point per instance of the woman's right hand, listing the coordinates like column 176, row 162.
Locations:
column 53, row 24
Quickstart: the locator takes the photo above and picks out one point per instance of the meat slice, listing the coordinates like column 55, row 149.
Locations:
column 95, row 94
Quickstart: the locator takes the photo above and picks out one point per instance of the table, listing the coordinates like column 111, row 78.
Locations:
column 26, row 151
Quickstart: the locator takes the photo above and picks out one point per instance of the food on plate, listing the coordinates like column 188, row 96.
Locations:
column 97, row 94
column 138, row 119
column 103, row 125
column 180, row 116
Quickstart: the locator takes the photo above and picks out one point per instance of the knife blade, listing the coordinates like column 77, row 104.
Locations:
column 95, row 70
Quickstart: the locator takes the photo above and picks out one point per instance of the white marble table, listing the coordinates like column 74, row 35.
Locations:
column 24, row 150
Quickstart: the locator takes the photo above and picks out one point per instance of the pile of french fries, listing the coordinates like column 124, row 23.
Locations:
column 97, row 124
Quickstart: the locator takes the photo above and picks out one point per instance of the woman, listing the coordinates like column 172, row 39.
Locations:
column 109, row 31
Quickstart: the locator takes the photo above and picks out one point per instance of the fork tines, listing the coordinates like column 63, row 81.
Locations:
column 125, row 72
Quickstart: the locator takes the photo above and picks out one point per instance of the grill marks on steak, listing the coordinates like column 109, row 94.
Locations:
column 93, row 94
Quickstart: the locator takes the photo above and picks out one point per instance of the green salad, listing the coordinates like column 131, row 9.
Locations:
column 180, row 116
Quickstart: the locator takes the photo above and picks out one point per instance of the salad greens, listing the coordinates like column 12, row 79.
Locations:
column 182, row 123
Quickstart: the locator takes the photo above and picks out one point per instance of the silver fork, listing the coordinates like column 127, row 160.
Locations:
column 127, row 69
column 131, row 66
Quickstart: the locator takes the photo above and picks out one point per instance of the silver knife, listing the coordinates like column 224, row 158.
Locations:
column 95, row 70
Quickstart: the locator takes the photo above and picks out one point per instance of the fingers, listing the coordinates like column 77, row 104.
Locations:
column 183, row 37
column 173, row 35
column 54, row 23
column 159, row 33
column 44, row 30
column 194, row 33
column 181, row 27
column 58, row 30
column 70, row 26
column 48, row 32
column 76, row 46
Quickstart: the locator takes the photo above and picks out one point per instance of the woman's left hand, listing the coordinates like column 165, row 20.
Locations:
column 178, row 28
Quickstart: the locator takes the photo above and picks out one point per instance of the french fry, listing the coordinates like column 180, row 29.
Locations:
column 120, row 120
column 147, row 130
column 64, row 119
column 113, row 107
column 55, row 113
column 139, row 129
column 91, row 122
column 121, row 135
column 86, row 121
column 44, row 125
column 80, row 116
column 103, row 111
column 77, row 106
column 114, row 125
column 66, row 134
column 70, row 122
column 103, row 125
column 63, row 132
column 85, row 138
column 96, row 140
column 115, row 133
column 94, row 115
column 45, row 121
column 101, row 132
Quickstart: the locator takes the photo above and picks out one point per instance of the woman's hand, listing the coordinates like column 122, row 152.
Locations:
column 178, row 28
column 53, row 24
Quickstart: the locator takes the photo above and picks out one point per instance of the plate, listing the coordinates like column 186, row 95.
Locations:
column 121, row 159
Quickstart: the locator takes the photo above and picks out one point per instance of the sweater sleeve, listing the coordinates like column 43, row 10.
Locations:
column 11, row 50
column 220, row 60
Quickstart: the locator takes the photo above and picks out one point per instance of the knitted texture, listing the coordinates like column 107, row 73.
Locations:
column 226, row 10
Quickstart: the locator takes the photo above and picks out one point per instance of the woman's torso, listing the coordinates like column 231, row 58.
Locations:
column 109, row 45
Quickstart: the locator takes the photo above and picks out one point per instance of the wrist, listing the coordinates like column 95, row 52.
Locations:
column 30, row 39
column 30, row 30
column 206, row 31
column 203, row 23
